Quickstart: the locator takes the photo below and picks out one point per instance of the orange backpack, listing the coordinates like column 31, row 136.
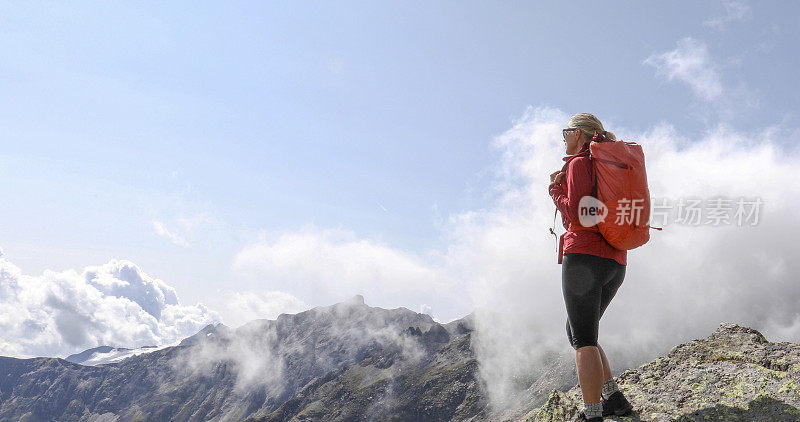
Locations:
column 621, row 186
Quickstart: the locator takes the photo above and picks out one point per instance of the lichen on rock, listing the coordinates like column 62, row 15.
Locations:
column 733, row 374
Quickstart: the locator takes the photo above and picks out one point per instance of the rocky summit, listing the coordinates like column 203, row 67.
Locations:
column 353, row 362
column 733, row 375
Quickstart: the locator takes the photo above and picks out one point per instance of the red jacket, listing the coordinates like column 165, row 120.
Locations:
column 579, row 183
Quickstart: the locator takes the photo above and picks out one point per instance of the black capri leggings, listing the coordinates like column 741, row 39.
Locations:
column 589, row 282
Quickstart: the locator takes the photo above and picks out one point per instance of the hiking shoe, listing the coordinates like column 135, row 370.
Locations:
column 617, row 405
column 582, row 418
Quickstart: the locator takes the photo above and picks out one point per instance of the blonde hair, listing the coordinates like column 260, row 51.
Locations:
column 588, row 124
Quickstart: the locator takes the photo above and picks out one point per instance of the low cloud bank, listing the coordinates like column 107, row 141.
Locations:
column 115, row 304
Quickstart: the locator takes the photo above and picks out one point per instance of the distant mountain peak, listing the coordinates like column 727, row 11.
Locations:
column 207, row 332
column 355, row 300
column 88, row 353
column 101, row 355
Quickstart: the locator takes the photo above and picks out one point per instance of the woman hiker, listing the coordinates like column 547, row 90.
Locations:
column 592, row 271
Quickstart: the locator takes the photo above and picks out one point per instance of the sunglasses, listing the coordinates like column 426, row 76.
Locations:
column 565, row 131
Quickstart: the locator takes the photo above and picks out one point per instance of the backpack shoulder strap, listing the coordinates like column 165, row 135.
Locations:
column 591, row 168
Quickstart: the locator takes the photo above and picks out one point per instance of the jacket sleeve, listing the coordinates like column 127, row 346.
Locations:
column 579, row 184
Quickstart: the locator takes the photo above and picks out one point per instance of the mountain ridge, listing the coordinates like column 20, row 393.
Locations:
column 349, row 361
column 247, row 372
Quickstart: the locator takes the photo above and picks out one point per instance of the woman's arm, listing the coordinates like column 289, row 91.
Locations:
column 579, row 184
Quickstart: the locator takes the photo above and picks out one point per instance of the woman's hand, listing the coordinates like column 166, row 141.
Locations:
column 556, row 176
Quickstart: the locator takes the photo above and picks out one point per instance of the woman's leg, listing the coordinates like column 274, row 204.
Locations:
column 606, row 366
column 590, row 373
column 615, row 277
column 582, row 280
column 608, row 293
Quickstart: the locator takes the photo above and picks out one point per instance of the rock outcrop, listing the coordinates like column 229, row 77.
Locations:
column 733, row 375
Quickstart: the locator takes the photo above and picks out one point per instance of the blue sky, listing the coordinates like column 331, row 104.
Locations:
column 184, row 136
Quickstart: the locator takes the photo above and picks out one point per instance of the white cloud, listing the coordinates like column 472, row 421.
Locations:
column 253, row 356
column 172, row 236
column 734, row 11
column 116, row 304
column 318, row 264
column 690, row 63
column 242, row 307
